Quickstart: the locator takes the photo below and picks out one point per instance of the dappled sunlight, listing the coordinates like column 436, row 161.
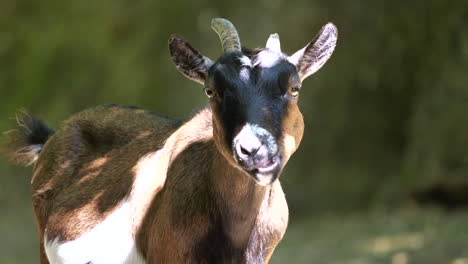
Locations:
column 95, row 164
column 144, row 134
column 400, row 258
column 65, row 165
column 354, row 261
column 92, row 169
column 397, row 237
column 389, row 243
column 460, row 261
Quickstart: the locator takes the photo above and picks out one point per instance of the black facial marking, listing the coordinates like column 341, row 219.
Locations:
column 261, row 99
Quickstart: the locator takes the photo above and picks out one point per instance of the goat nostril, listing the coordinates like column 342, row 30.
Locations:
column 244, row 151
column 249, row 151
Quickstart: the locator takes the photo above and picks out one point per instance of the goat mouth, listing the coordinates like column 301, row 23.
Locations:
column 267, row 173
column 262, row 167
column 263, row 171
column 268, row 167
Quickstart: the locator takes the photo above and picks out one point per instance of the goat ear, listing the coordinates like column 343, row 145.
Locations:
column 313, row 56
column 188, row 60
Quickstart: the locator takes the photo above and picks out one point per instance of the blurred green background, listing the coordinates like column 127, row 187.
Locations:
column 384, row 159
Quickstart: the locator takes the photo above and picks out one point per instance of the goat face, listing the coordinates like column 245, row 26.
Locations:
column 253, row 95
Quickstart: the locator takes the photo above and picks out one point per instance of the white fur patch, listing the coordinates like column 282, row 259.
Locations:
column 245, row 61
column 265, row 179
column 112, row 240
column 151, row 173
column 250, row 136
column 246, row 65
column 268, row 58
column 289, row 144
column 244, row 74
column 108, row 242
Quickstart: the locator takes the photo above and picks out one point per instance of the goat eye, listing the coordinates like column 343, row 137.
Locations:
column 294, row 91
column 210, row 93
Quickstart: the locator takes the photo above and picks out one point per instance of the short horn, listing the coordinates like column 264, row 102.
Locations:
column 273, row 43
column 227, row 34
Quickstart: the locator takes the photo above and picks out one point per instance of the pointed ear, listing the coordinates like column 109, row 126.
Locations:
column 188, row 60
column 313, row 56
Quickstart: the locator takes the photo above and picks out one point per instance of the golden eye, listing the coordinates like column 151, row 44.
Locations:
column 294, row 91
column 210, row 93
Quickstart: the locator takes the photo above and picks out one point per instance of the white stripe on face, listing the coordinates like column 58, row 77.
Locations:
column 244, row 74
column 268, row 58
column 245, row 61
column 246, row 65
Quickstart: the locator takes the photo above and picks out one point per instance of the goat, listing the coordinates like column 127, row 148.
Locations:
column 120, row 184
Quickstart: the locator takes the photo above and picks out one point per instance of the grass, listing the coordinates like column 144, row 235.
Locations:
column 399, row 237
column 426, row 236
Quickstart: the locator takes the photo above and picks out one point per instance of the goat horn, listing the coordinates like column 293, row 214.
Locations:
column 273, row 43
column 227, row 34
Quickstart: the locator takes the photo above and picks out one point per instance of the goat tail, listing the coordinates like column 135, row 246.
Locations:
column 26, row 140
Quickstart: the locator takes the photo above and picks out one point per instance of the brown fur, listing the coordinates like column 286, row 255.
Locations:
column 205, row 211
column 185, row 198
column 91, row 163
